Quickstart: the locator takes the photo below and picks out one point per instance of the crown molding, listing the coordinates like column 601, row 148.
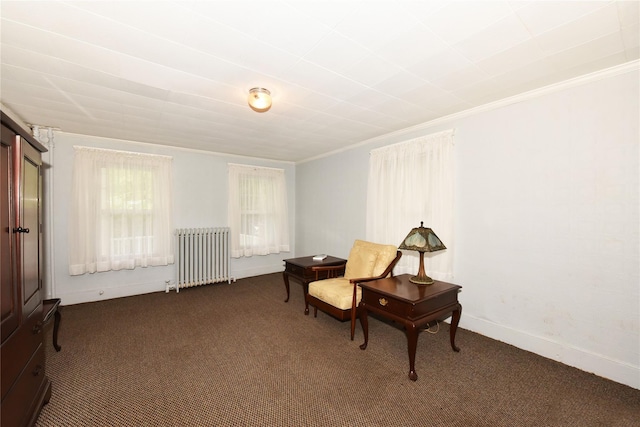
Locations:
column 546, row 90
column 162, row 147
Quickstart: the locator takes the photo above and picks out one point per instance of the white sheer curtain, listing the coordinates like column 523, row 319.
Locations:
column 121, row 211
column 410, row 182
column 258, row 212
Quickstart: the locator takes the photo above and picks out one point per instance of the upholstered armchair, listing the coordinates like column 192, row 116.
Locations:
column 340, row 296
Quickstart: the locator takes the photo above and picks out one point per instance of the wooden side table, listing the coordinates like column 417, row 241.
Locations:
column 414, row 306
column 300, row 270
column 51, row 308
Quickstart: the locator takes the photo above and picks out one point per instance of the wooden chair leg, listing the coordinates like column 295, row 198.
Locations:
column 353, row 321
column 354, row 309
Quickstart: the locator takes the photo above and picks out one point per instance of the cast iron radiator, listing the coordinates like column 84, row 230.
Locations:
column 203, row 256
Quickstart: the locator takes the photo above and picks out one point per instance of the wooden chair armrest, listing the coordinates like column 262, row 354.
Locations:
column 328, row 267
column 385, row 273
column 331, row 270
column 365, row 279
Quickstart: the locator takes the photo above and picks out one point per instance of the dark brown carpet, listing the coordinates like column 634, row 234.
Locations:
column 237, row 355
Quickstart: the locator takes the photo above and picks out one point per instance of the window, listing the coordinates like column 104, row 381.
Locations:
column 120, row 216
column 257, row 211
column 410, row 182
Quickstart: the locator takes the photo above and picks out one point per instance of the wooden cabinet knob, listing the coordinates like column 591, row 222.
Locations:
column 37, row 328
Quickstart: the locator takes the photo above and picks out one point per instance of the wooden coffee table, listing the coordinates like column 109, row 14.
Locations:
column 300, row 269
column 414, row 306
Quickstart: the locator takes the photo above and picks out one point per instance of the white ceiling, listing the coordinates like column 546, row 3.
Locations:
column 340, row 72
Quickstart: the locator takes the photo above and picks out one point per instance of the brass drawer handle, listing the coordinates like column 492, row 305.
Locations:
column 383, row 301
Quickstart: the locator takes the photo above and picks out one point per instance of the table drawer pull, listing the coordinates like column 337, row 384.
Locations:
column 383, row 301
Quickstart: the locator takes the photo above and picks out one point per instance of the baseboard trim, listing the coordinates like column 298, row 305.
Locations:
column 131, row 289
column 92, row 295
column 561, row 352
column 258, row 271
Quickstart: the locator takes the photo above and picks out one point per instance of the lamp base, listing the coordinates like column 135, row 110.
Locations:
column 421, row 280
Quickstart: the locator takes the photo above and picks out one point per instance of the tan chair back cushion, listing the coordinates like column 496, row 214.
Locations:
column 368, row 259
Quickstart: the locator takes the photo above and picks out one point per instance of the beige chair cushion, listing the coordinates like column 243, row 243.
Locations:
column 368, row 259
column 360, row 263
column 338, row 292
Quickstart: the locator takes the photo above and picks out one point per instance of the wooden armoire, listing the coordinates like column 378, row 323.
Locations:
column 25, row 386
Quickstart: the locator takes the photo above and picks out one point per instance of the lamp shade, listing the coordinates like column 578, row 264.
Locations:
column 259, row 99
column 422, row 239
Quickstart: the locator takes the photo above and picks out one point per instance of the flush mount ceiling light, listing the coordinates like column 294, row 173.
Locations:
column 259, row 99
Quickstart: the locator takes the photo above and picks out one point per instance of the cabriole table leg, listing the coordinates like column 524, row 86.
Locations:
column 285, row 277
column 455, row 319
column 364, row 321
column 412, row 345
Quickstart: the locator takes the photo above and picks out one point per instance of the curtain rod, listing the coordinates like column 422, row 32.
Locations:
column 255, row 167
column 448, row 132
column 108, row 150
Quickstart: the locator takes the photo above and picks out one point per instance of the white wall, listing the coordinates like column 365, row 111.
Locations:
column 547, row 219
column 200, row 200
column 329, row 195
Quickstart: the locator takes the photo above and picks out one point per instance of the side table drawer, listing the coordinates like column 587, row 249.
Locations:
column 386, row 304
column 308, row 275
column 406, row 309
column 436, row 303
column 294, row 270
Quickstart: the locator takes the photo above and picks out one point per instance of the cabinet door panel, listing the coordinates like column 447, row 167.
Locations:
column 9, row 296
column 30, row 220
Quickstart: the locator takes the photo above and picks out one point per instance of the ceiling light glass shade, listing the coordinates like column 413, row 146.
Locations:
column 423, row 240
column 259, row 99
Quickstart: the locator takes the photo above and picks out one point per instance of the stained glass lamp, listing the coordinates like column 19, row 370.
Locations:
column 423, row 240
